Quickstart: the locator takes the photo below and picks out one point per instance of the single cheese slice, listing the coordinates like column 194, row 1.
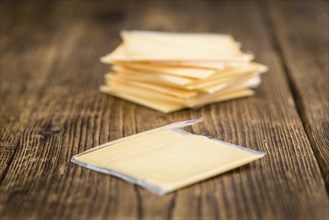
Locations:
column 232, row 72
column 191, row 72
column 156, row 103
column 153, row 76
column 166, row 81
column 197, row 101
column 176, row 92
column 163, row 160
column 147, row 46
column 203, row 65
column 214, row 87
column 215, row 82
column 137, row 90
column 118, row 56
column 213, row 65
column 196, row 73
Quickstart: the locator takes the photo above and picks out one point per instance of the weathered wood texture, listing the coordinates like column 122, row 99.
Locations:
column 302, row 31
column 51, row 109
column 29, row 46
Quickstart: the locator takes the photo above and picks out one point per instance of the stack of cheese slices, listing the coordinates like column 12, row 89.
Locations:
column 172, row 71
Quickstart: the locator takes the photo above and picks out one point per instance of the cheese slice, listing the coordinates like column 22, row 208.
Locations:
column 200, row 100
column 166, row 81
column 213, row 65
column 187, row 83
column 166, row 159
column 232, row 72
column 171, row 71
column 251, row 81
column 177, row 92
column 153, row 76
column 144, row 45
column 159, row 104
column 212, row 87
column 196, row 73
column 166, row 103
column 118, row 56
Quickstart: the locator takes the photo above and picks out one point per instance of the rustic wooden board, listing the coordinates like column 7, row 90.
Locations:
column 70, row 115
column 305, row 52
column 24, row 42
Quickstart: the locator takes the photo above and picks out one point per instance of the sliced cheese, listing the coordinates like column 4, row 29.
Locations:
column 163, row 160
column 143, row 45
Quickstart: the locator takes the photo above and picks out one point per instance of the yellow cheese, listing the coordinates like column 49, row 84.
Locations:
column 118, row 57
column 196, row 73
column 160, row 77
column 169, row 71
column 176, row 92
column 237, row 71
column 153, row 102
column 218, row 97
column 220, row 77
column 165, row 160
column 167, row 103
column 143, row 45
column 220, row 85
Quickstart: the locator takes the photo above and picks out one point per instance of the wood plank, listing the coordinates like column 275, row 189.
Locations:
column 43, row 154
column 301, row 29
column 28, row 50
column 73, row 116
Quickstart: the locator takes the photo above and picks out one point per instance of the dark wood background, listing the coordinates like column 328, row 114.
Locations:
column 51, row 109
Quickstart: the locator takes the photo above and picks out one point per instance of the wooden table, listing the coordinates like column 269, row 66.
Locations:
column 51, row 109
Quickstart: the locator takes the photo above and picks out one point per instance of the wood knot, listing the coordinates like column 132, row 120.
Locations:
column 48, row 130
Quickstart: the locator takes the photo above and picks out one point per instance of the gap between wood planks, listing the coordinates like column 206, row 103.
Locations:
column 268, row 19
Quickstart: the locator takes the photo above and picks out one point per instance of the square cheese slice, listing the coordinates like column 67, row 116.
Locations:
column 118, row 56
column 161, row 46
column 168, row 103
column 166, row 159
column 190, row 72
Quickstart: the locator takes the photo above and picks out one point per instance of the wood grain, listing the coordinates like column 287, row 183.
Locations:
column 304, row 49
column 24, row 42
column 71, row 115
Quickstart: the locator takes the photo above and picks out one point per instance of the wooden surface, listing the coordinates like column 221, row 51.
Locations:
column 51, row 109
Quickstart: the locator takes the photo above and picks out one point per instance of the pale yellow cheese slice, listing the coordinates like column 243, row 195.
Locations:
column 177, row 92
column 220, row 85
column 213, row 65
column 166, row 103
column 137, row 90
column 204, row 99
column 165, row 160
column 220, row 77
column 117, row 56
column 210, row 83
column 190, row 72
column 159, row 104
column 232, row 72
column 166, row 81
column 244, row 82
column 197, row 73
column 157, row 46
column 203, row 65
column 153, row 76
